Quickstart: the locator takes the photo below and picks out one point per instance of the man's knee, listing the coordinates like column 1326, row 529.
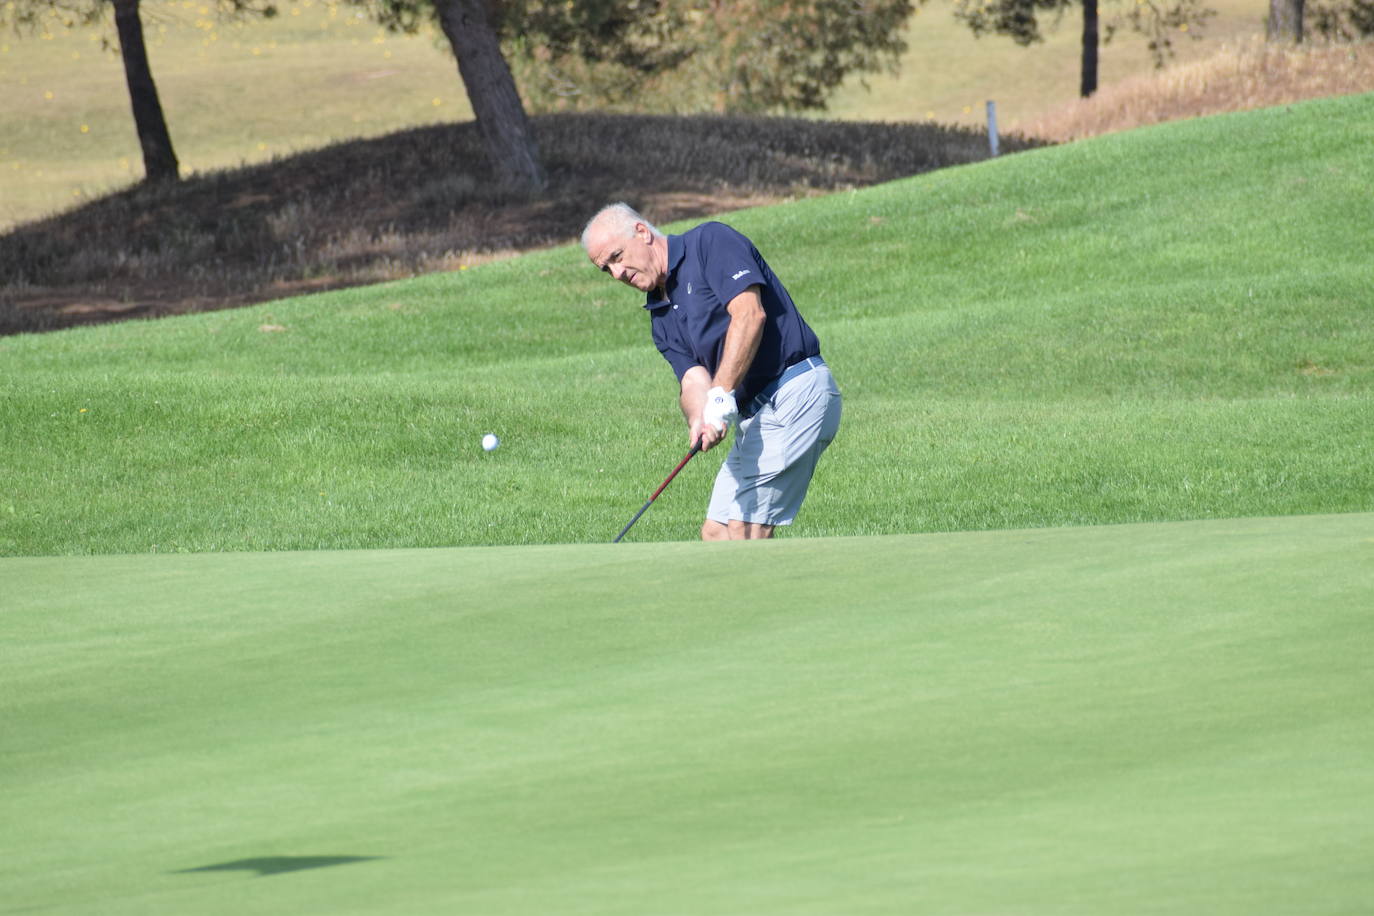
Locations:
column 714, row 531
column 749, row 531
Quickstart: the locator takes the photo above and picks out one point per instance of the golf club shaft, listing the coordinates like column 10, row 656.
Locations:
column 644, row 508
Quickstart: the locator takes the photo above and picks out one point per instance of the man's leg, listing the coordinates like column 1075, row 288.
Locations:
column 714, row 531
column 770, row 480
column 736, row 530
column 749, row 531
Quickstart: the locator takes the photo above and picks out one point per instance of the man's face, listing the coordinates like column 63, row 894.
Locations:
column 631, row 260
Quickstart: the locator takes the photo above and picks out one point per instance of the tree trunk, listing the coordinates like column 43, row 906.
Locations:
column 159, row 160
column 1087, row 84
column 1285, row 21
column 500, row 115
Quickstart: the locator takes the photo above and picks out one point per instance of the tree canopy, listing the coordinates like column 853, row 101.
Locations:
column 686, row 55
column 1352, row 20
column 31, row 15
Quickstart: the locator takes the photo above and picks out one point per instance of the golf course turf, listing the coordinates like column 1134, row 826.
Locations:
column 1130, row 719
column 1075, row 621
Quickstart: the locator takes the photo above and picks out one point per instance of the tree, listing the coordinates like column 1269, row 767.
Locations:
column 756, row 54
column 1343, row 20
column 684, row 55
column 691, row 55
column 501, row 120
column 1285, row 21
column 1087, row 69
column 473, row 29
column 787, row 55
column 1349, row 21
column 1157, row 20
column 159, row 159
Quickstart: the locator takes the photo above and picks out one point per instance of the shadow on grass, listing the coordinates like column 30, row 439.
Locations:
column 277, row 865
column 425, row 200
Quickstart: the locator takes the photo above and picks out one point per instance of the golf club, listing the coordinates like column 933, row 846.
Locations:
column 644, row 508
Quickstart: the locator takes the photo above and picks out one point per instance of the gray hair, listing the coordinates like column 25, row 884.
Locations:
column 619, row 218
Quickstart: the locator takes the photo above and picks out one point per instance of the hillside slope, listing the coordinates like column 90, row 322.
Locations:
column 425, row 200
column 1079, row 335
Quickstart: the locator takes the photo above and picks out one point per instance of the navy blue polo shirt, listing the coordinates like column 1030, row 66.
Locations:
column 707, row 267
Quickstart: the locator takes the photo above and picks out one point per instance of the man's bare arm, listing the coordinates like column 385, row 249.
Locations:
column 741, row 339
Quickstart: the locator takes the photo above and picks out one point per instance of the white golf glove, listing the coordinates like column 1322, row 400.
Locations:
column 721, row 409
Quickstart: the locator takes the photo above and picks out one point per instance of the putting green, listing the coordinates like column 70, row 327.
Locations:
column 1170, row 718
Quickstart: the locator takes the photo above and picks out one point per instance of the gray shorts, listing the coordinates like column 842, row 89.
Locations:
column 765, row 477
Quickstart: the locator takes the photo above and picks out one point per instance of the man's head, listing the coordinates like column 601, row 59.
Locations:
column 627, row 246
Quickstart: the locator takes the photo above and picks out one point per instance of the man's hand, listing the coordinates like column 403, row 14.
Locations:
column 698, row 396
column 720, row 410
column 706, row 437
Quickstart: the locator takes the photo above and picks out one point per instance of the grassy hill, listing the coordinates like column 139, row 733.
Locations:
column 1076, row 335
column 424, row 200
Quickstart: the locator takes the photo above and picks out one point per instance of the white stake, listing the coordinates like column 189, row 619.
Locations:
column 992, row 127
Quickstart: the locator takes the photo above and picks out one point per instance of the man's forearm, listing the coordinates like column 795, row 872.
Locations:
column 741, row 339
column 693, row 398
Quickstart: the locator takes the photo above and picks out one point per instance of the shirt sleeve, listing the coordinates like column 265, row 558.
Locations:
column 730, row 262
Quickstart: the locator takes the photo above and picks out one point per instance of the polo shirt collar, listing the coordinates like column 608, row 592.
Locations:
column 676, row 251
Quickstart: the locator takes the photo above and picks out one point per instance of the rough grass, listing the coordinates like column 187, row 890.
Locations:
column 423, row 200
column 1239, row 77
column 948, row 74
column 1068, row 336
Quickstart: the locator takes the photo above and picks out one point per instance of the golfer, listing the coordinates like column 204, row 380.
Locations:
column 743, row 355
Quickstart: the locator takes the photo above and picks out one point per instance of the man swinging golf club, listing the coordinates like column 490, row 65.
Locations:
column 742, row 354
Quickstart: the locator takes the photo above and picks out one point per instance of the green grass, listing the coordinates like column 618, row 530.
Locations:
column 1169, row 718
column 1060, row 716
column 1070, row 336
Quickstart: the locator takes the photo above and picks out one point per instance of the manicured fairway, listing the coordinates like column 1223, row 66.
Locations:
column 1169, row 718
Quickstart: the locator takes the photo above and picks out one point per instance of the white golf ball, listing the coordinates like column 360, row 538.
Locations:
column 489, row 442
